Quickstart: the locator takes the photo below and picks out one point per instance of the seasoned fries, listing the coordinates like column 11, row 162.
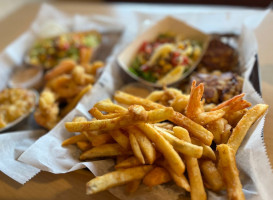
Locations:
column 116, row 178
column 211, row 175
column 145, row 145
column 244, row 124
column 105, row 150
column 74, row 139
column 100, row 139
column 120, row 138
column 196, row 130
column 130, row 162
column 136, row 148
column 195, row 178
column 180, row 181
column 230, row 172
column 165, row 148
column 181, row 146
column 153, row 137
column 156, row 176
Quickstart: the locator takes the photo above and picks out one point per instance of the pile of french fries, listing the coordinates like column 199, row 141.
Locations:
column 166, row 137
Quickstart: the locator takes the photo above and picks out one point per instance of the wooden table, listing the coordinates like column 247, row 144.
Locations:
column 72, row 185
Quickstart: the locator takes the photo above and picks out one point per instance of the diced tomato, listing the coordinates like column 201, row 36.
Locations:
column 146, row 48
column 175, row 58
column 155, row 45
column 144, row 68
column 143, row 46
column 185, row 60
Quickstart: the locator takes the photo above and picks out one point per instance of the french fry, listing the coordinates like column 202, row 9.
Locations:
column 164, row 147
column 181, row 146
column 90, row 135
column 108, row 106
column 132, row 186
column 181, row 181
column 84, row 145
column 211, row 175
column 128, row 163
column 172, row 92
column 118, row 122
column 121, row 158
column 244, row 124
column 145, row 145
column 194, row 174
column 165, row 125
column 195, row 129
column 180, row 103
column 140, row 130
column 116, row 178
column 98, row 115
column 180, row 132
column 74, row 139
column 106, row 124
column 230, row 172
column 138, row 112
column 75, row 100
column 207, row 150
column 106, row 150
column 101, row 139
column 136, row 148
column 79, row 119
column 226, row 133
column 208, row 107
column 157, row 176
column 158, row 115
column 128, row 99
column 120, row 138
column 155, row 96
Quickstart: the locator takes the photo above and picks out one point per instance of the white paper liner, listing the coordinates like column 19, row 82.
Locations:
column 12, row 145
column 48, row 155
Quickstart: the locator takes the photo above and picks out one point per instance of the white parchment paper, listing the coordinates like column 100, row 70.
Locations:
column 47, row 153
column 12, row 145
